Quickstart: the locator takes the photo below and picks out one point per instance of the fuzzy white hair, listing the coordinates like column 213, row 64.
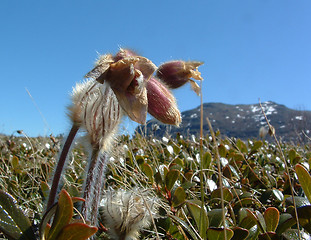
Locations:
column 126, row 213
column 96, row 109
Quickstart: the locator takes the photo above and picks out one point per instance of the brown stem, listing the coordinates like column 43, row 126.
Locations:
column 60, row 165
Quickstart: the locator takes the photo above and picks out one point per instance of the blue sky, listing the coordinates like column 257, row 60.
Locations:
column 251, row 49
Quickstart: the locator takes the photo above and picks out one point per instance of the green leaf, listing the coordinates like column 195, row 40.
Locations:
column 304, row 216
column 187, row 185
column 69, row 178
column 148, row 171
column 300, row 201
column 76, row 231
column 238, row 157
column 179, row 197
column 73, row 190
column 304, row 179
column 165, row 171
column 247, row 222
column 256, row 146
column 272, row 217
column 219, row 233
column 253, row 232
column 291, row 155
column 194, row 208
column 268, row 236
column 45, row 189
column 15, row 164
column 140, row 159
column 286, row 221
column 261, row 221
column 251, row 217
column 222, row 150
column 13, row 222
column 207, row 159
column 215, row 217
column 239, row 233
column 234, row 172
column 179, row 161
column 227, row 171
column 244, row 202
column 277, row 195
column 158, row 178
column 228, row 196
column 241, row 146
column 63, row 214
column 170, row 178
column 44, row 224
column 176, row 148
column 185, row 226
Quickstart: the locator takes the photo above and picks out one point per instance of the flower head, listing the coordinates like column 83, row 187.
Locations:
column 116, row 85
column 176, row 73
column 127, row 75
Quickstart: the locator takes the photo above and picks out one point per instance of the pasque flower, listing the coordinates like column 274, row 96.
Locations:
column 130, row 78
column 127, row 76
column 118, row 85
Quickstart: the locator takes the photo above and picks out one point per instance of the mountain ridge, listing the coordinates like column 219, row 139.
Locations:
column 240, row 121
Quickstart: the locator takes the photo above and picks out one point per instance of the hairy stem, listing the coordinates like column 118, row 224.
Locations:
column 60, row 165
column 93, row 186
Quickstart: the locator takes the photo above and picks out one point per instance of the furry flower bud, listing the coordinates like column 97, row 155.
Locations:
column 176, row 73
column 96, row 109
column 161, row 103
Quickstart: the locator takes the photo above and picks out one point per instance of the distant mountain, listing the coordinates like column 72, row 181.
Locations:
column 240, row 121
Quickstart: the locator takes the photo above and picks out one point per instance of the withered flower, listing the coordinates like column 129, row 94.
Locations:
column 127, row 76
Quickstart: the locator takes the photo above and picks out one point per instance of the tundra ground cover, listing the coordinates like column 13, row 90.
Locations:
column 257, row 195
